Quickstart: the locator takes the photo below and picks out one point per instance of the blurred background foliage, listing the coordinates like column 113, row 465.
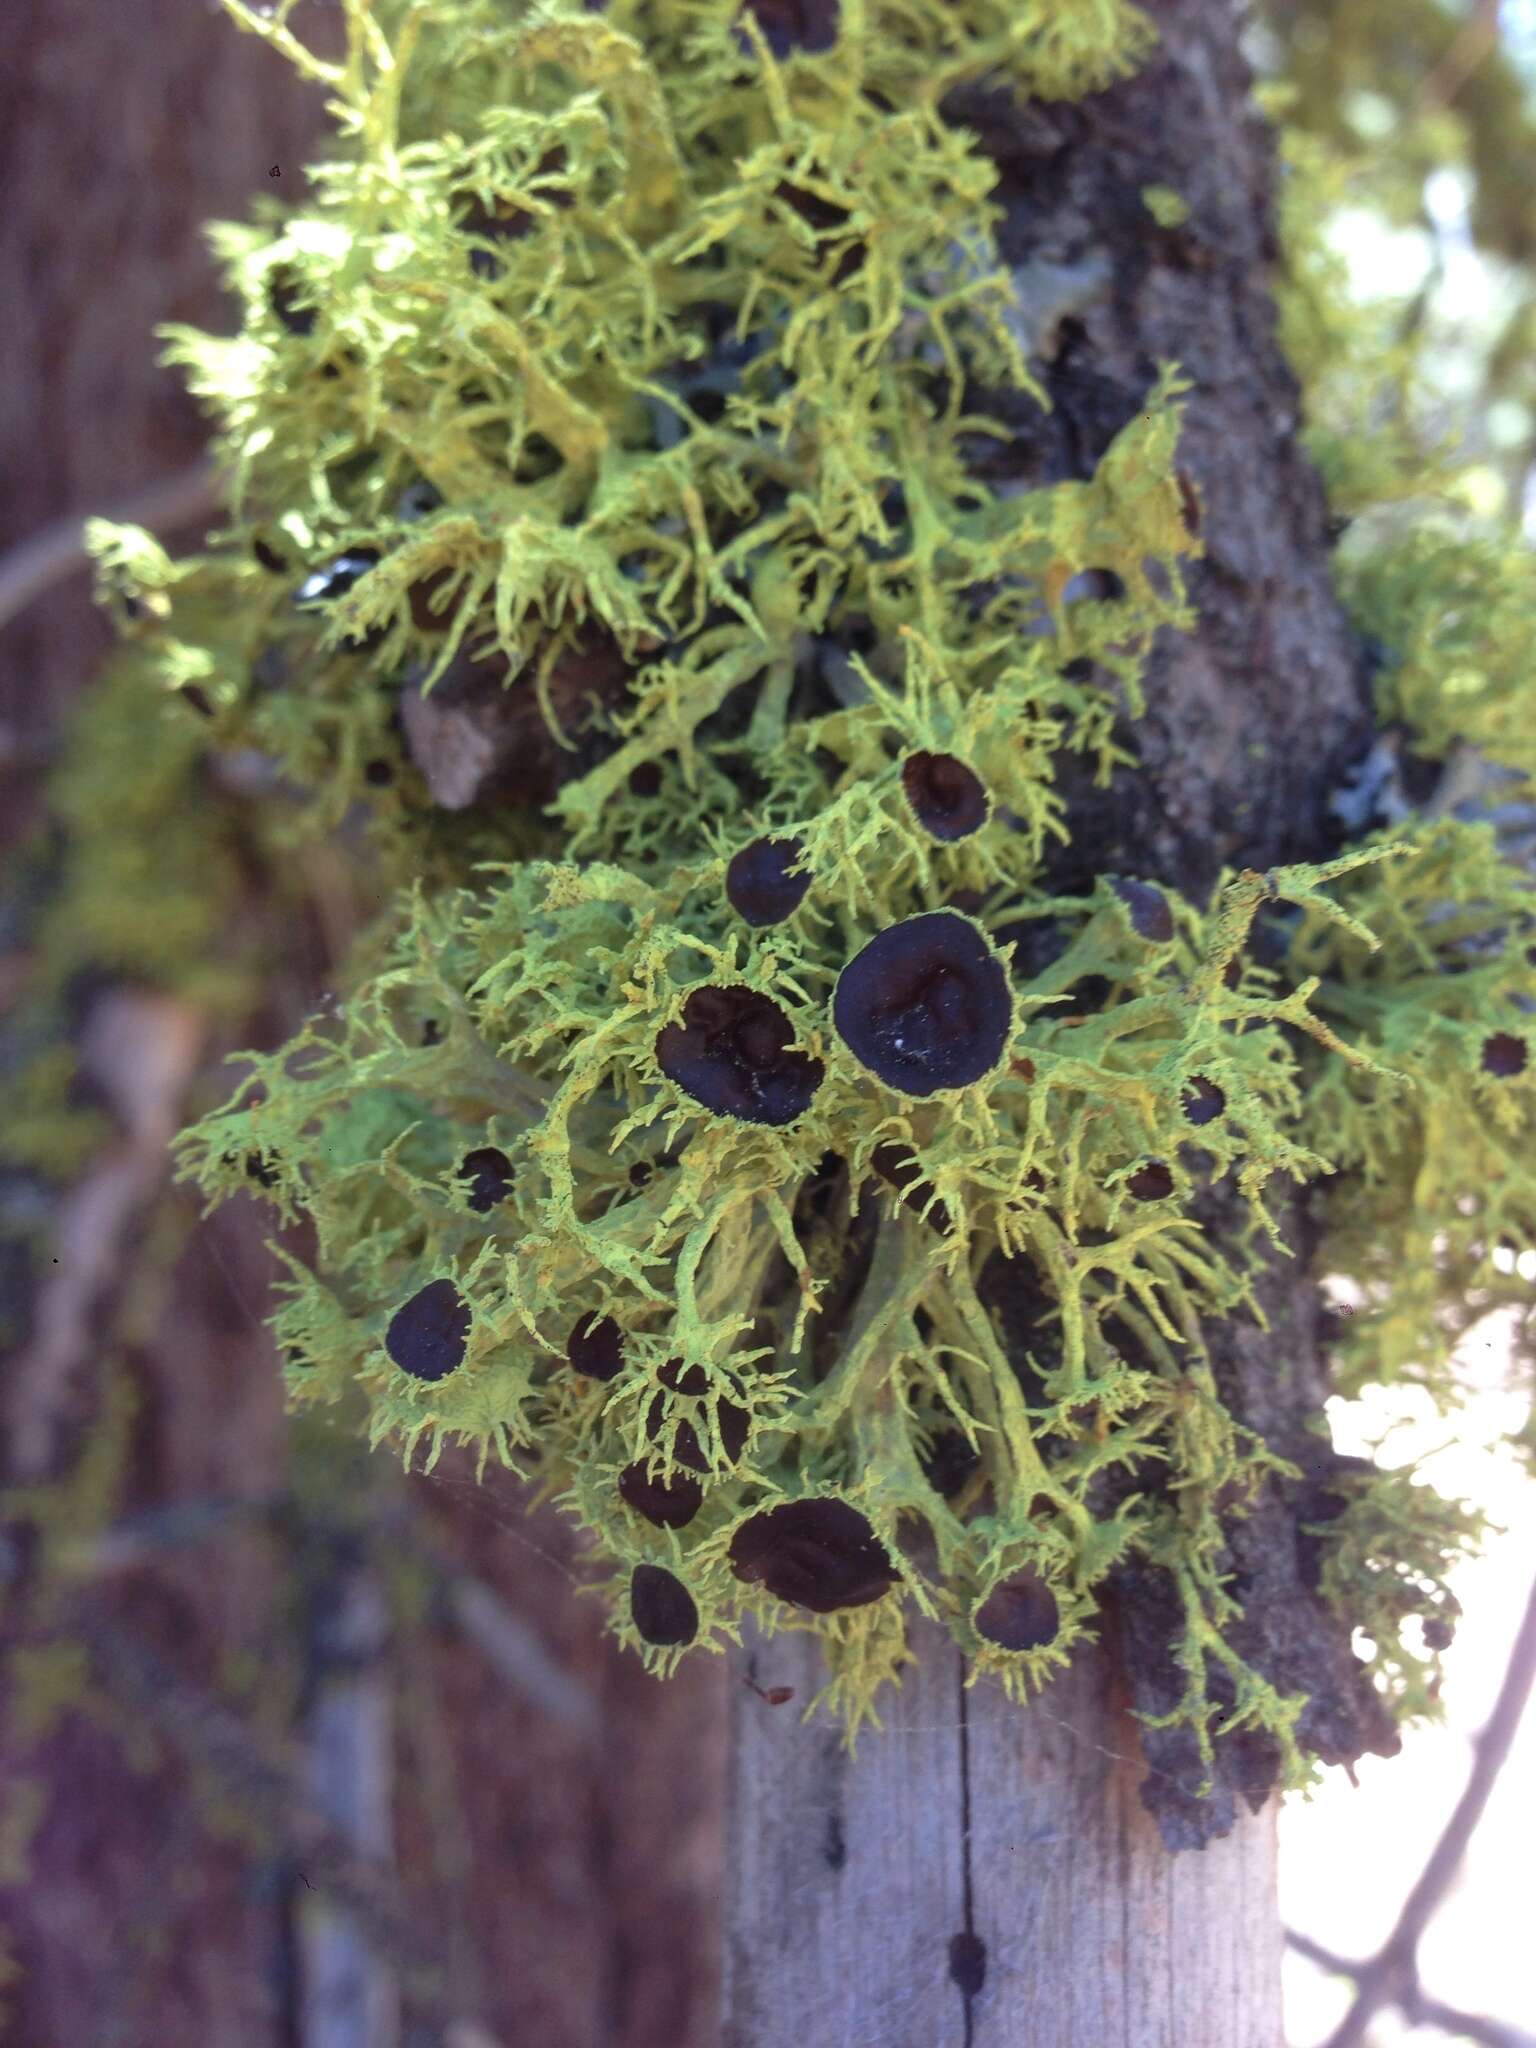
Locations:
column 1410, row 220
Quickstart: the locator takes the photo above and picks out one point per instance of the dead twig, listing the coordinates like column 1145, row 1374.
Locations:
column 141, row 1538
column 432, row 1771
column 1391, row 1976
column 350, row 1995
column 57, row 550
column 1476, row 38
column 515, row 1653
column 1421, row 2011
column 142, row 1049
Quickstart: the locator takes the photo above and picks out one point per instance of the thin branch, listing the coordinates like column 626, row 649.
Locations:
column 433, row 1771
column 350, row 1995
column 1423, row 2012
column 1473, row 41
column 517, row 1656
column 143, row 1050
column 514, row 1650
column 58, row 550
column 1391, row 1975
column 141, row 1538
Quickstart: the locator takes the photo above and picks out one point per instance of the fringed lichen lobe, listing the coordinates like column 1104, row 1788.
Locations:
column 606, row 415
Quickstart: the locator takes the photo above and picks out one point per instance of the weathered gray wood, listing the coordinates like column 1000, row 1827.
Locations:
column 848, row 1879
column 844, row 1875
column 1096, row 1935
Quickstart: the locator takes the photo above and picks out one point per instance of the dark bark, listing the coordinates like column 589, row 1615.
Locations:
column 1254, row 718
column 1274, row 1380
column 1252, row 721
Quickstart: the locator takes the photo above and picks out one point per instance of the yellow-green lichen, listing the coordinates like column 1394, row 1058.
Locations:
column 609, row 398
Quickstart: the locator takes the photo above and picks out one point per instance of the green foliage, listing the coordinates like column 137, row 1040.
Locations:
column 137, row 876
column 624, row 340
column 151, row 863
column 1370, row 422
column 1408, row 135
column 1457, row 612
column 1423, row 83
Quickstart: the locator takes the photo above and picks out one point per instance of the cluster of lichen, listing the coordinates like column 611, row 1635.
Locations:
column 618, row 371
column 1435, row 1200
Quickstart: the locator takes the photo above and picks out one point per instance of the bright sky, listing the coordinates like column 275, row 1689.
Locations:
column 1517, row 22
column 1348, row 1856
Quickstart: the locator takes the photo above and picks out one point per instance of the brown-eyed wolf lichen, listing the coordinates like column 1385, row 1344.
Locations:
column 604, row 530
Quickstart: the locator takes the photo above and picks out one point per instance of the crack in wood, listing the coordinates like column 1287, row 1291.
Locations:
column 967, row 1951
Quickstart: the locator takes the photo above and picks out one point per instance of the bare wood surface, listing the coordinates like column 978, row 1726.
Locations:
column 1095, row 1935
column 979, row 1875
column 845, row 1876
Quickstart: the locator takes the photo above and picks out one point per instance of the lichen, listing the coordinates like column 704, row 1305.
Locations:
column 1370, row 422
column 1167, row 207
column 1387, row 1550
column 1456, row 613
column 602, row 509
column 1432, row 1146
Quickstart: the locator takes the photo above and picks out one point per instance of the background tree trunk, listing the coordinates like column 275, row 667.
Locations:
column 983, row 1874
column 558, row 1883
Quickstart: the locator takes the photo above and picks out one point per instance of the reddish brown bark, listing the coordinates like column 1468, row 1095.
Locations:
column 553, row 1889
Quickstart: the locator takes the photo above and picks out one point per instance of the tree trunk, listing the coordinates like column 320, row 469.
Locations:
column 569, row 1900
column 980, row 1876
column 122, row 130
column 984, row 1874
column 559, row 1889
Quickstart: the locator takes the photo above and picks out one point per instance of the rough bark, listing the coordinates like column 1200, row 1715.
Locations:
column 1003, row 1827
column 1253, row 720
